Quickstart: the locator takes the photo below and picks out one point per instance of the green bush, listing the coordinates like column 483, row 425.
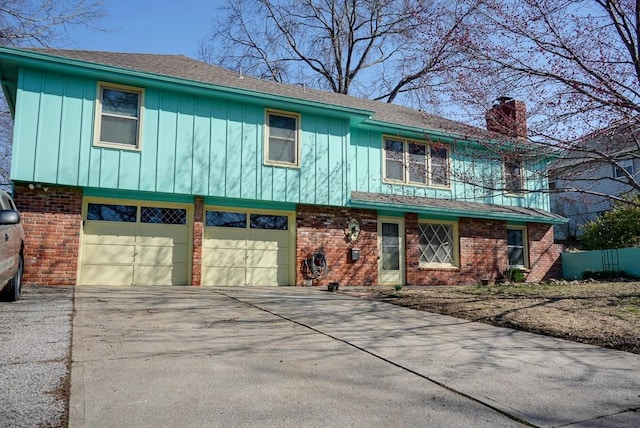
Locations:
column 514, row 275
column 618, row 228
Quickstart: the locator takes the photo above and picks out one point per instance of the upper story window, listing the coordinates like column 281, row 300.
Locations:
column 282, row 145
column 626, row 165
column 118, row 116
column 513, row 176
column 416, row 163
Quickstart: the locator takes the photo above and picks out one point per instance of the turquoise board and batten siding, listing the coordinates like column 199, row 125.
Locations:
column 366, row 160
column 191, row 144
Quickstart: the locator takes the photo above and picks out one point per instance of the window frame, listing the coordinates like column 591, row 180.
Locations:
column 99, row 115
column 298, row 134
column 623, row 164
column 506, row 176
column 406, row 162
column 525, row 246
column 456, row 245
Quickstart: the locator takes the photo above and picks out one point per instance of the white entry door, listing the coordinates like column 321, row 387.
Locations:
column 391, row 250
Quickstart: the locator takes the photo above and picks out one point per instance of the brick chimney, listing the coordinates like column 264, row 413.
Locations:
column 509, row 117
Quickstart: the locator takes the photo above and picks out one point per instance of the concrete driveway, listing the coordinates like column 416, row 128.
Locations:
column 301, row 357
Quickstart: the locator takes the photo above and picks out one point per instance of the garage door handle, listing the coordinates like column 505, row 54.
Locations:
column 6, row 237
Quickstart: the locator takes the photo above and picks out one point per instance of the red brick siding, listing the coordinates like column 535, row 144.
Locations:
column 544, row 255
column 198, row 231
column 52, row 221
column 326, row 227
column 482, row 247
column 483, row 253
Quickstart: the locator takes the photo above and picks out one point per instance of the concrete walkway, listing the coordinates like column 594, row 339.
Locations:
column 300, row 357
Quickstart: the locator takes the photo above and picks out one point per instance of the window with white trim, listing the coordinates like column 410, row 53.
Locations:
column 118, row 116
column 414, row 162
column 513, row 176
column 517, row 246
column 282, row 141
column 438, row 244
column 623, row 165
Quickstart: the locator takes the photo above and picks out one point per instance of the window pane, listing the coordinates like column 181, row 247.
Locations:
column 439, row 166
column 390, row 234
column 394, row 164
column 419, row 150
column 282, row 125
column 390, row 246
column 391, row 259
column 107, row 212
column 118, row 130
column 436, row 243
column 226, row 219
column 274, row 222
column 513, row 176
column 516, row 256
column 393, row 146
column 282, row 150
column 282, row 138
column 120, row 102
column 158, row 215
column 394, row 170
column 514, row 237
column 417, row 163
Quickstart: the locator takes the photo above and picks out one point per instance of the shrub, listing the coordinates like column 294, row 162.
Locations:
column 618, row 228
column 514, row 275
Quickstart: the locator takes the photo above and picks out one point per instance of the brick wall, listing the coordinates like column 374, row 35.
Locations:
column 544, row 255
column 52, row 220
column 198, row 231
column 483, row 253
column 326, row 227
column 482, row 249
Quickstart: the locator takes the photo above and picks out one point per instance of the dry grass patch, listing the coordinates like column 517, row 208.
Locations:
column 603, row 314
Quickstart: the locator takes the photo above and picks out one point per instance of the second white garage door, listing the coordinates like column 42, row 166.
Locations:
column 247, row 248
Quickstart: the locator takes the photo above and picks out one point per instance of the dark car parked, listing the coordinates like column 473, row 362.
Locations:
column 11, row 249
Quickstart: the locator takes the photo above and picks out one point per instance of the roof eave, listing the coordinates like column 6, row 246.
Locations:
column 399, row 207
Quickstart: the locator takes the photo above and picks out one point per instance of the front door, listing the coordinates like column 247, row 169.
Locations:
column 391, row 248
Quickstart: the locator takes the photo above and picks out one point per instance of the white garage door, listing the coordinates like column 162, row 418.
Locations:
column 246, row 248
column 127, row 244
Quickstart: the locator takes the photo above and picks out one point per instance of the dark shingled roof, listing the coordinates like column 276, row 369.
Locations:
column 457, row 207
column 182, row 67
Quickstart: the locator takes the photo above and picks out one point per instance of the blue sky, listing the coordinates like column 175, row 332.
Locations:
column 168, row 27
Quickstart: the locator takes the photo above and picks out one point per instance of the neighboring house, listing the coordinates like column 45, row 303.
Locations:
column 158, row 169
column 600, row 165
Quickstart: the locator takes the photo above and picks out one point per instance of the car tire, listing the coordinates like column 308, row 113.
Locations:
column 12, row 291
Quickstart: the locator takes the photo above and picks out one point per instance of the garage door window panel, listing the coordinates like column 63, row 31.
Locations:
column 270, row 222
column 155, row 215
column 112, row 212
column 226, row 219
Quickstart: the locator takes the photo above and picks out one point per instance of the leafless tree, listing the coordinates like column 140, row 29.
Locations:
column 37, row 23
column 576, row 63
column 42, row 23
column 373, row 48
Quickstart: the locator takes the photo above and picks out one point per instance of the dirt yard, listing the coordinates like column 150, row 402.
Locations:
column 603, row 314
